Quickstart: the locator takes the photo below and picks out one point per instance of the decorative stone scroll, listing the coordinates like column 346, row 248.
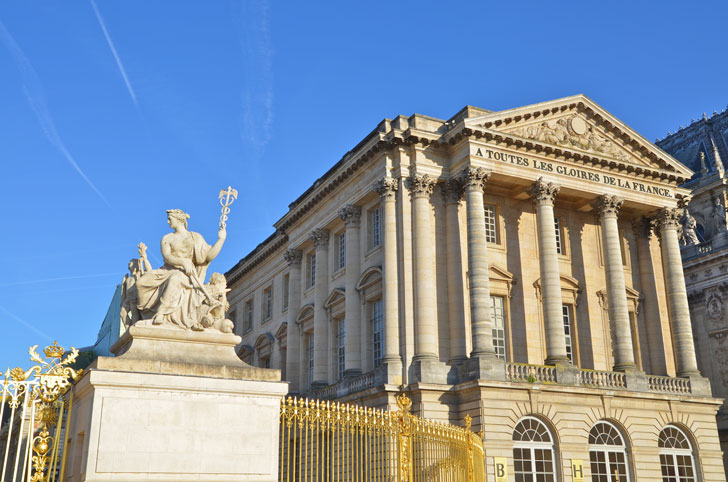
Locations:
column 320, row 238
column 386, row 187
column 421, row 185
column 607, row 206
column 176, row 295
column 474, row 178
column 543, row 192
column 351, row 215
column 293, row 257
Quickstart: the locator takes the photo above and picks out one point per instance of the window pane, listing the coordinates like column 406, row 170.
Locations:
column 559, row 244
column 498, row 325
column 377, row 333
column 491, row 229
column 340, row 346
column 566, row 312
column 342, row 250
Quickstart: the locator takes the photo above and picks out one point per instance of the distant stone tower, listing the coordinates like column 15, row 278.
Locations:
column 703, row 147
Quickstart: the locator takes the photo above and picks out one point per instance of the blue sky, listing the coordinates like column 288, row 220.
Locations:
column 112, row 112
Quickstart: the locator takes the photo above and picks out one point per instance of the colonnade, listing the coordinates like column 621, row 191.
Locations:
column 470, row 185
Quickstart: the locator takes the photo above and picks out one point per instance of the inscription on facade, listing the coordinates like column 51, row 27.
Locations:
column 574, row 172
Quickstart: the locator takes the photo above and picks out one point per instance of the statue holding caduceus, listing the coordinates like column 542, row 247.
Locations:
column 176, row 294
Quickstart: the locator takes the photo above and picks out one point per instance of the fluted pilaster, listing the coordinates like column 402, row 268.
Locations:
column 320, row 239
column 452, row 194
column 294, row 344
column 351, row 215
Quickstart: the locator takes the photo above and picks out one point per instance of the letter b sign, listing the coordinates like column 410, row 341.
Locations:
column 500, row 467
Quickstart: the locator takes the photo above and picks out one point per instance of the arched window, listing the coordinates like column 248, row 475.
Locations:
column 607, row 454
column 533, row 452
column 676, row 456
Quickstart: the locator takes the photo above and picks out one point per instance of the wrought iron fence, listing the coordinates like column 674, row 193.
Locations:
column 330, row 441
column 34, row 410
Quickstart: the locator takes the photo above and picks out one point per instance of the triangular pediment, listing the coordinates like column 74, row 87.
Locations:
column 579, row 125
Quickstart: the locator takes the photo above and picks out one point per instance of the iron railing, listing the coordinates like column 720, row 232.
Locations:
column 329, row 441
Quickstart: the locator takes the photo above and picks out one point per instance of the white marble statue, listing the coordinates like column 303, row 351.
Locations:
column 176, row 294
column 719, row 219
column 689, row 234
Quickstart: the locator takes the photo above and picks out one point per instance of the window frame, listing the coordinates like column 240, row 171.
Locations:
column 248, row 315
column 491, row 207
column 532, row 446
column 286, row 291
column 311, row 270
column 341, row 251
column 267, row 304
column 559, row 231
column 309, row 358
column 375, row 227
column 493, row 317
column 611, row 449
column 377, row 319
column 674, row 453
column 340, row 347
column 567, row 311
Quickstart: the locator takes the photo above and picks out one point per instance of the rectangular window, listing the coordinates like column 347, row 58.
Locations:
column 232, row 316
column 311, row 267
column 341, row 347
column 309, row 357
column 248, row 315
column 498, row 325
column 341, row 250
column 491, row 225
column 286, row 280
column 265, row 362
column 559, row 243
column 375, row 227
column 566, row 313
column 377, row 333
column 267, row 303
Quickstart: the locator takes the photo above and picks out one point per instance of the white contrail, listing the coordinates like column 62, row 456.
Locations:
column 114, row 53
column 34, row 93
column 26, row 324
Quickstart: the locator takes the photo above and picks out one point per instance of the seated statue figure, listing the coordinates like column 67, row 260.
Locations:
column 175, row 293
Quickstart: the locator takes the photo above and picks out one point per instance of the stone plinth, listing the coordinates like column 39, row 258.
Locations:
column 175, row 405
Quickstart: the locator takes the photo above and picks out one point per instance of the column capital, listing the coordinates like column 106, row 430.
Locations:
column 474, row 178
column 607, row 206
column 351, row 215
column 642, row 227
column 452, row 191
column 320, row 238
column 386, row 187
column 421, row 185
column 293, row 257
column 543, row 192
column 669, row 218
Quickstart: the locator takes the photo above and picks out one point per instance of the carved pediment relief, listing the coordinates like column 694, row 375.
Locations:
column 575, row 131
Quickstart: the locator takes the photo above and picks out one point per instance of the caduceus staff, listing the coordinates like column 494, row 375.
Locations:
column 227, row 196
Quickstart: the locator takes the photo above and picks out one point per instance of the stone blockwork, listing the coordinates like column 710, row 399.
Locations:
column 508, row 249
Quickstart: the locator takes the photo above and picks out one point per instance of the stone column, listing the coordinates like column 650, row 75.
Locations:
column 642, row 229
column 473, row 181
column 387, row 190
column 320, row 239
column 353, row 360
column 668, row 221
column 421, row 187
column 543, row 195
column 295, row 340
column 607, row 207
column 452, row 194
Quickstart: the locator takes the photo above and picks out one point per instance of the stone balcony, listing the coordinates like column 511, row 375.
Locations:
column 565, row 375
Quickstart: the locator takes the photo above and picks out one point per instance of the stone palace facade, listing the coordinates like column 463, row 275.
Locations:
column 520, row 266
column 703, row 146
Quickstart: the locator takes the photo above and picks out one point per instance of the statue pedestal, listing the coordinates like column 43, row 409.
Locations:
column 174, row 405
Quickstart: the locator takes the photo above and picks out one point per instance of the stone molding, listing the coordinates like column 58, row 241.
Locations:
column 351, row 215
column 386, row 187
column 320, row 238
column 669, row 218
column 607, row 205
column 452, row 191
column 421, row 185
column 293, row 257
column 474, row 178
column 543, row 192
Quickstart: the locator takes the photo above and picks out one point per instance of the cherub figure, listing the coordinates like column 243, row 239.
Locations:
column 212, row 313
column 129, row 295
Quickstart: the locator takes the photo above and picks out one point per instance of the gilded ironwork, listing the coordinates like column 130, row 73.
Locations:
column 331, row 441
column 39, row 404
